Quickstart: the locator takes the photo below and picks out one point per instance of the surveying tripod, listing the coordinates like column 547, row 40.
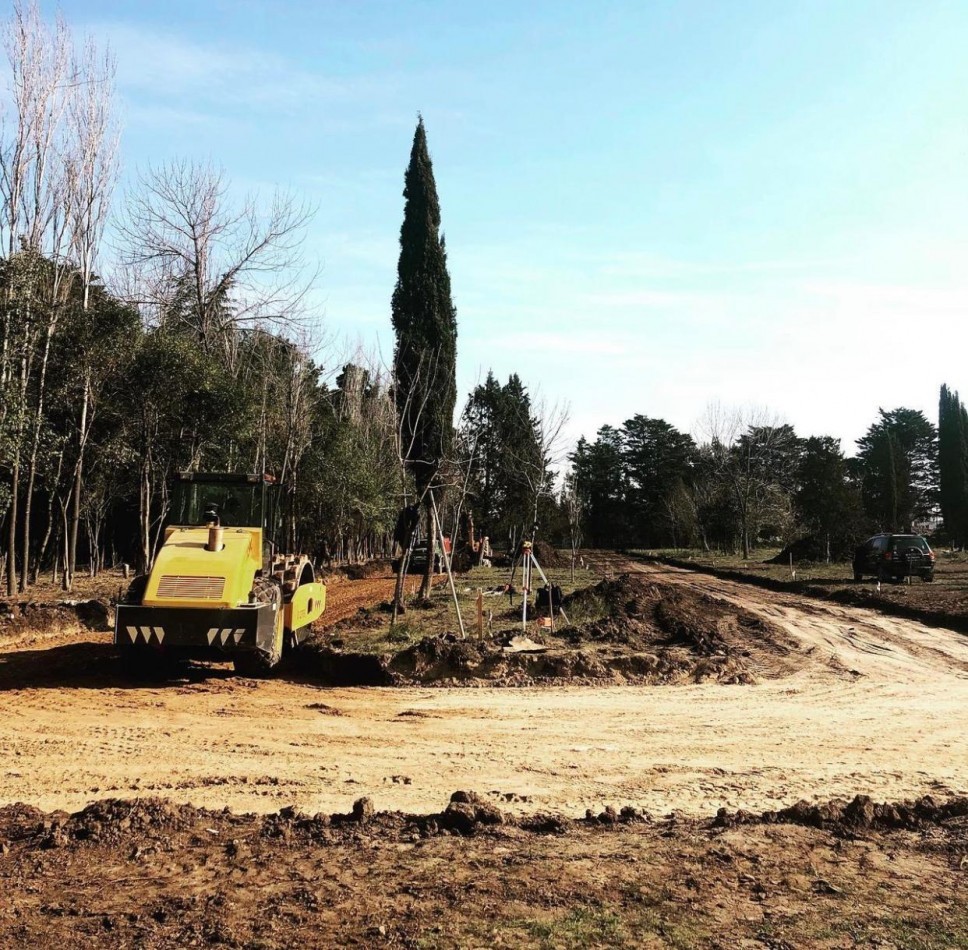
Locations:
column 529, row 563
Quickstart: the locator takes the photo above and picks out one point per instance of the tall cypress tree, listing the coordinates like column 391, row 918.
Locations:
column 425, row 323
column 953, row 465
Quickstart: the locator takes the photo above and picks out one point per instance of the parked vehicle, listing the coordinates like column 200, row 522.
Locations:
column 418, row 557
column 894, row 557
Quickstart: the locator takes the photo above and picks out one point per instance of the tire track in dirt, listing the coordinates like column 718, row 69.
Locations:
column 851, row 638
column 345, row 597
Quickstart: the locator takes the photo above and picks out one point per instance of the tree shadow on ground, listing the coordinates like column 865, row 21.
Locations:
column 91, row 665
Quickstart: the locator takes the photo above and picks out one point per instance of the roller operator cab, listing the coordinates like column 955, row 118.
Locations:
column 219, row 588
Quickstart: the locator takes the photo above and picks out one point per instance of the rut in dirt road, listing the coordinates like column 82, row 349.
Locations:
column 847, row 640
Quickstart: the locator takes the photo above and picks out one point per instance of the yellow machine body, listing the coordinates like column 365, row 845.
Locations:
column 212, row 589
column 186, row 574
column 306, row 606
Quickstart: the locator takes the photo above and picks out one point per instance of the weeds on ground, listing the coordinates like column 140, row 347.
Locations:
column 373, row 633
column 587, row 609
column 903, row 933
column 580, row 927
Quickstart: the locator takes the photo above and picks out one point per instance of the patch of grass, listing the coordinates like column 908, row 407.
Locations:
column 580, row 927
column 904, row 933
column 405, row 631
column 589, row 609
column 931, row 934
column 607, row 927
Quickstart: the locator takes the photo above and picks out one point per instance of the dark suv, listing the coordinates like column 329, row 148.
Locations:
column 418, row 559
column 893, row 556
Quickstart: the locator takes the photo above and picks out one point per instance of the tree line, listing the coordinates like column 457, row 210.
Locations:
column 749, row 479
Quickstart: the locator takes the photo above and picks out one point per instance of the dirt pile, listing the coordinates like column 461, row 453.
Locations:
column 685, row 629
column 158, row 821
column 368, row 569
column 158, row 876
column 622, row 630
column 467, row 813
column 25, row 616
column 112, row 820
column 859, row 814
column 548, row 556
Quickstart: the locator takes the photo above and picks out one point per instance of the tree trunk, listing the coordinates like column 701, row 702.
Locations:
column 78, row 481
column 428, row 578
column 34, row 450
column 66, row 579
column 12, row 529
column 398, row 604
column 55, row 570
column 144, row 516
column 42, row 553
column 28, row 498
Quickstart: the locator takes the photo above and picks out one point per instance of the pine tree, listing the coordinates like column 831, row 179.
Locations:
column 425, row 323
column 508, row 468
column 899, row 459
column 600, row 481
column 658, row 461
column 827, row 505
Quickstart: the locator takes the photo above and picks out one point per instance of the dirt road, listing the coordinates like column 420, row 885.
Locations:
column 879, row 706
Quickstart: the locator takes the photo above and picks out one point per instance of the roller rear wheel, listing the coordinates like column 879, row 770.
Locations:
column 259, row 664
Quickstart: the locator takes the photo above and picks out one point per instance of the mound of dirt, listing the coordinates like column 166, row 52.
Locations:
column 548, row 556
column 861, row 813
column 726, row 642
column 27, row 615
column 813, row 548
column 467, row 814
column 362, row 572
column 112, row 819
column 114, row 822
column 624, row 630
column 163, row 875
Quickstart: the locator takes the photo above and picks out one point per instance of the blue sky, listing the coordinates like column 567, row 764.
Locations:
column 649, row 206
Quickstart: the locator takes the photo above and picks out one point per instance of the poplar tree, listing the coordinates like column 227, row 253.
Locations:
column 425, row 323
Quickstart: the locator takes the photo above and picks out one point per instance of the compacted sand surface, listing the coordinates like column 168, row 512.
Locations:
column 873, row 705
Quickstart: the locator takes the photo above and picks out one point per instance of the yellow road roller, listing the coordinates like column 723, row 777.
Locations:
column 220, row 588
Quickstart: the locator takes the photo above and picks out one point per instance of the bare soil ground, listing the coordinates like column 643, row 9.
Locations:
column 943, row 601
column 155, row 875
column 840, row 701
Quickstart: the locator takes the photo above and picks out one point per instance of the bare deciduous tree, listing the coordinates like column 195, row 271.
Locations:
column 743, row 446
column 210, row 264
column 91, row 166
column 55, row 169
column 38, row 58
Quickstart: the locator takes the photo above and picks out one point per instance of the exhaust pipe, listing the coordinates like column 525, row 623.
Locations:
column 216, row 538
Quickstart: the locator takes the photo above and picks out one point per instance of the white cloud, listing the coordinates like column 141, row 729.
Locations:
column 211, row 76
